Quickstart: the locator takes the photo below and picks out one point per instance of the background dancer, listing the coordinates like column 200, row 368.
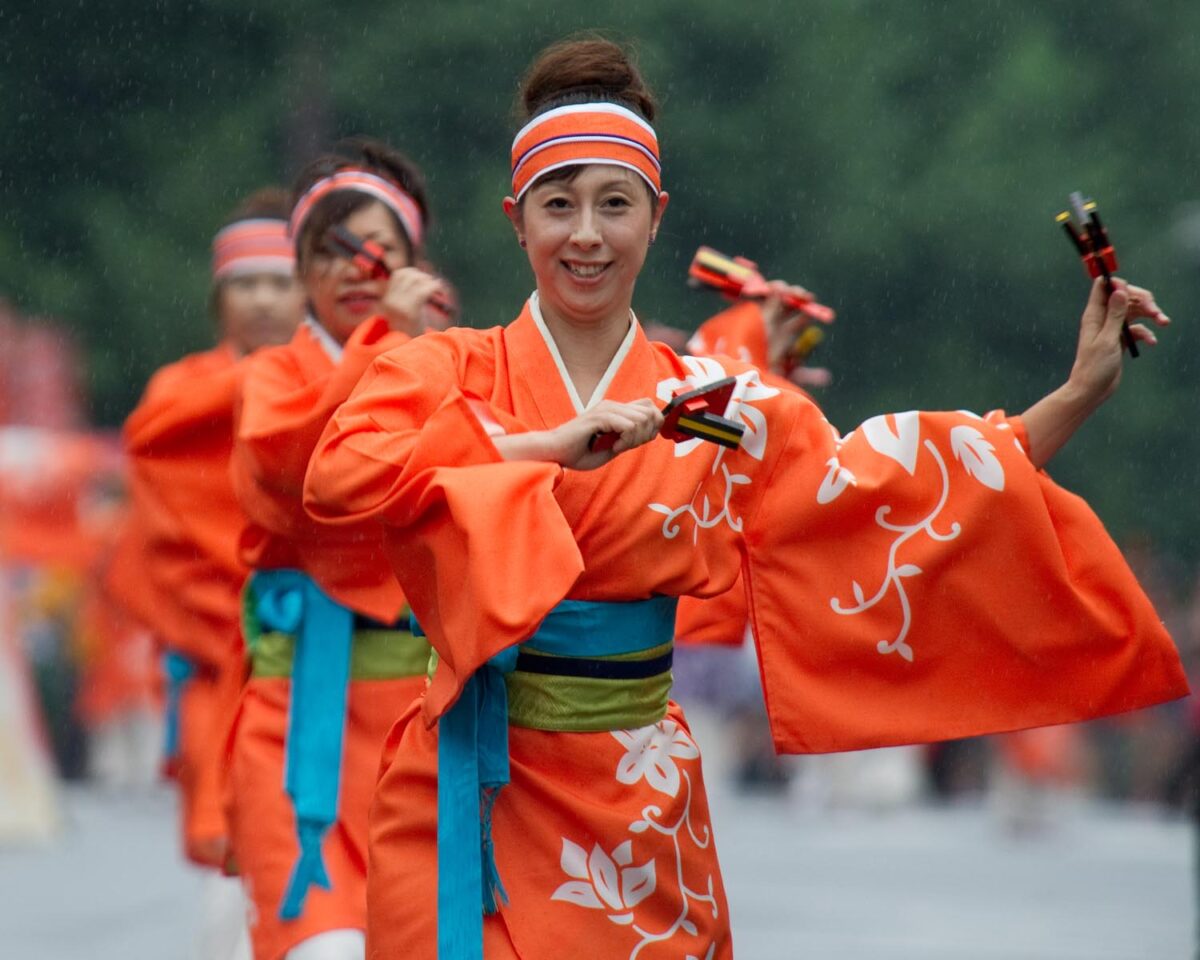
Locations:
column 179, row 441
column 342, row 656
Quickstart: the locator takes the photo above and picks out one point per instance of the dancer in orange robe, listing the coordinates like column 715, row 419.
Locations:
column 288, row 395
column 179, row 441
column 919, row 578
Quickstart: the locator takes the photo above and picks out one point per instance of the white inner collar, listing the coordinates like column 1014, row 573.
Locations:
column 326, row 339
column 613, row 366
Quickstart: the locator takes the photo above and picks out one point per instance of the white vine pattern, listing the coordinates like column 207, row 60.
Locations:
column 896, row 573
column 612, row 882
column 702, row 370
column 705, row 518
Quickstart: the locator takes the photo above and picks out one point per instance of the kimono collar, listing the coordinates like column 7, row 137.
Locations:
column 326, row 339
column 605, row 381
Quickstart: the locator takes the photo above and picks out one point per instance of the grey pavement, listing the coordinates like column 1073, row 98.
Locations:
column 915, row 883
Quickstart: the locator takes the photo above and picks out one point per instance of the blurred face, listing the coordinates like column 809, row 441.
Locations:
column 587, row 239
column 341, row 298
column 260, row 309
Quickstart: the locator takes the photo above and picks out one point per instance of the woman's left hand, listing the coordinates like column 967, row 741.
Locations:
column 783, row 324
column 1097, row 369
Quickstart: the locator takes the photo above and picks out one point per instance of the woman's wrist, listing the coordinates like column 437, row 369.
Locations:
column 540, row 445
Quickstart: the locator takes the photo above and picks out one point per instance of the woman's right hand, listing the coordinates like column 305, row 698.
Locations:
column 635, row 423
column 403, row 303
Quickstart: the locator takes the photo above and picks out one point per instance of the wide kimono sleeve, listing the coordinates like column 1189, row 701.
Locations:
column 919, row 579
column 282, row 410
column 479, row 545
column 178, row 442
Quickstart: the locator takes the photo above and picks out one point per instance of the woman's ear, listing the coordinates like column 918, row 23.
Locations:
column 660, row 207
column 512, row 210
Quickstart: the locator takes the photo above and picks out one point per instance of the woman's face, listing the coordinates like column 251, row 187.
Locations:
column 259, row 309
column 341, row 298
column 587, row 239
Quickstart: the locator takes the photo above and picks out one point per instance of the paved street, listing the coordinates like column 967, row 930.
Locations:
column 912, row 884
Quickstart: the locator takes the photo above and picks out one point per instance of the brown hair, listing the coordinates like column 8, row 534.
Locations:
column 586, row 69
column 367, row 154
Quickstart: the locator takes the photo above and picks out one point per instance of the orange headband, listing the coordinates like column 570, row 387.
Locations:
column 252, row 246
column 585, row 133
column 362, row 181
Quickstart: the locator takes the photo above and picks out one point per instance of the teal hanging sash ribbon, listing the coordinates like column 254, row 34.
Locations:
column 473, row 754
column 288, row 601
column 179, row 670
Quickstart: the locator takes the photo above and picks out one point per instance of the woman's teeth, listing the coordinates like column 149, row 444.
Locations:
column 586, row 270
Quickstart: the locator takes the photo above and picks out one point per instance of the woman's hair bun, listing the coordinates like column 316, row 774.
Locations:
column 584, row 70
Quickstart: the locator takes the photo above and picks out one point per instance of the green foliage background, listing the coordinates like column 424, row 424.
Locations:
column 904, row 160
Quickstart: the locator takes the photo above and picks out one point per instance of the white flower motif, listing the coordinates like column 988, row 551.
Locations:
column 901, row 444
column 976, row 454
column 836, row 480
column 651, row 752
column 603, row 882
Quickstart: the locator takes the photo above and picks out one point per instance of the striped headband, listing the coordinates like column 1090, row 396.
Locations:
column 252, row 246
column 352, row 178
column 585, row 133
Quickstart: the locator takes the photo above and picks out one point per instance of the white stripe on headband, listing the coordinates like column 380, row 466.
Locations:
column 585, row 138
column 614, row 108
column 389, row 194
column 580, row 161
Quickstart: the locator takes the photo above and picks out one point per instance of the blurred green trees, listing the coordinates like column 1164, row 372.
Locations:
column 905, row 161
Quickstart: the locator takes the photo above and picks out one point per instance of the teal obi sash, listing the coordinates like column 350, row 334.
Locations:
column 473, row 746
column 289, row 601
column 179, row 671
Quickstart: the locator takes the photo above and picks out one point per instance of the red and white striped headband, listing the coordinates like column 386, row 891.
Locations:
column 585, row 133
column 253, row 246
column 362, row 181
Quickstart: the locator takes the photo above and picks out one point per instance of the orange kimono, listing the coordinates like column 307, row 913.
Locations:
column 741, row 333
column 913, row 580
column 288, row 394
column 179, row 441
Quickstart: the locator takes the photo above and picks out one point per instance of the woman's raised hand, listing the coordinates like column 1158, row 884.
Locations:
column 408, row 290
column 1097, row 369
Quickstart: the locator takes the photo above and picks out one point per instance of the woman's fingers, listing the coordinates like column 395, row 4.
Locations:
column 1117, row 311
column 1143, row 334
column 1143, row 304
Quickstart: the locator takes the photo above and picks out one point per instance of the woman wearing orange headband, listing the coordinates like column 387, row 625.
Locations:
column 333, row 662
column 186, row 521
column 916, row 579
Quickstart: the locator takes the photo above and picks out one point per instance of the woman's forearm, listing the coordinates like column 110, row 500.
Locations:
column 1053, row 420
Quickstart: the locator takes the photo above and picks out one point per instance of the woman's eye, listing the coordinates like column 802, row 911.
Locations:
column 556, row 203
column 616, row 202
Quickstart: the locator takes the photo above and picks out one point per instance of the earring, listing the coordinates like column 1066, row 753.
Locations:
column 653, row 237
column 521, row 241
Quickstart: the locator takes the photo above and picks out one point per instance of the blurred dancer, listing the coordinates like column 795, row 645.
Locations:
column 333, row 661
column 179, row 440
column 544, row 778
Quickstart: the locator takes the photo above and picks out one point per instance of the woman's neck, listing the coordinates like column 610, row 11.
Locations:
column 587, row 347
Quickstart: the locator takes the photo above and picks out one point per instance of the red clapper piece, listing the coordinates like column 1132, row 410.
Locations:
column 370, row 259
column 738, row 277
column 696, row 414
column 1090, row 238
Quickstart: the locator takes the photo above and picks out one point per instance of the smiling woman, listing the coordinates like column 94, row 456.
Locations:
column 916, row 579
